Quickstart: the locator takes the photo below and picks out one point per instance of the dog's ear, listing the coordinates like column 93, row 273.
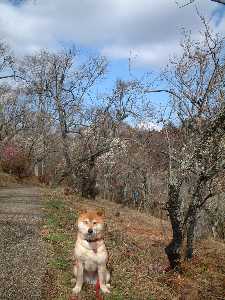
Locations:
column 100, row 212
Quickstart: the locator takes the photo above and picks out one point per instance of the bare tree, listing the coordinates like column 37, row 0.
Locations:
column 102, row 132
column 196, row 86
column 14, row 113
column 6, row 61
column 13, row 107
column 59, row 86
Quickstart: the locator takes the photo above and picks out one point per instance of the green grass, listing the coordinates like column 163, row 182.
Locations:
column 55, row 203
column 59, row 263
column 56, row 237
column 115, row 295
column 52, row 221
column 59, row 219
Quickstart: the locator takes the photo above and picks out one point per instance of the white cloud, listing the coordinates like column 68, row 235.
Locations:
column 148, row 28
column 149, row 126
column 155, row 55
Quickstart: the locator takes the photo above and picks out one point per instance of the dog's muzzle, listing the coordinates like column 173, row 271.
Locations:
column 90, row 231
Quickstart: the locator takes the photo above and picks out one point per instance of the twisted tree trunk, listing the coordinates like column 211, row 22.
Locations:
column 190, row 234
column 173, row 250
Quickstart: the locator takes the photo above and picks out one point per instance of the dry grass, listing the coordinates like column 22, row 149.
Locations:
column 7, row 180
column 135, row 242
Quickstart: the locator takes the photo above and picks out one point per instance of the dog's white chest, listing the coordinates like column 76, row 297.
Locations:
column 92, row 256
column 90, row 264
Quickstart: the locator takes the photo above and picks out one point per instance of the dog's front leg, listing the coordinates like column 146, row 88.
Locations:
column 102, row 275
column 80, row 278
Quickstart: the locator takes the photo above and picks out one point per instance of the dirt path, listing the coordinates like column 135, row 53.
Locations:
column 22, row 252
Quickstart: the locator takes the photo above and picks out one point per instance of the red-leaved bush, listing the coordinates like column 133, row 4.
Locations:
column 14, row 160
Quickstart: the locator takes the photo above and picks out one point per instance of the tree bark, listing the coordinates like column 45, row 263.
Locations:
column 190, row 234
column 88, row 187
column 173, row 250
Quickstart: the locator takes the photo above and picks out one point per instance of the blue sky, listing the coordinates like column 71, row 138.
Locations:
column 145, row 31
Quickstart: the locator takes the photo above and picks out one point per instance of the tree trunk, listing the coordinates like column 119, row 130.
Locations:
column 173, row 250
column 63, row 127
column 88, row 186
column 190, row 234
column 191, row 218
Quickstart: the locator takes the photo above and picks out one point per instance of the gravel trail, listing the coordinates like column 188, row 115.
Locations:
column 22, row 252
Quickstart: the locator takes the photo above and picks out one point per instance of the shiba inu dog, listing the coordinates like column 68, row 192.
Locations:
column 90, row 253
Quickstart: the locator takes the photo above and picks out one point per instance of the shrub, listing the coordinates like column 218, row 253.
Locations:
column 14, row 160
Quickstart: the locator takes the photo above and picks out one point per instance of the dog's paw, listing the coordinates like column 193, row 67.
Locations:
column 108, row 285
column 105, row 289
column 76, row 290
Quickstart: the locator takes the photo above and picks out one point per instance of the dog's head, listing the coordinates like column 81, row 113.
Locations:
column 91, row 224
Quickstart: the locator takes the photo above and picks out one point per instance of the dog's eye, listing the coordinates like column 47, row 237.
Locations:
column 85, row 222
column 94, row 223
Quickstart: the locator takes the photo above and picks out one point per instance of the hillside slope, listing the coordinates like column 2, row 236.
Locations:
column 137, row 261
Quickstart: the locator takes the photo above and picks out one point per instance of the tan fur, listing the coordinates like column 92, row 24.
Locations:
column 90, row 252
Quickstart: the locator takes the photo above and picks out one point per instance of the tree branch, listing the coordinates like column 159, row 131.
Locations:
column 192, row 1
column 163, row 91
column 11, row 76
column 219, row 1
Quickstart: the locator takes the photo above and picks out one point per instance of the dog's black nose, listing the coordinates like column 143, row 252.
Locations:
column 90, row 230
